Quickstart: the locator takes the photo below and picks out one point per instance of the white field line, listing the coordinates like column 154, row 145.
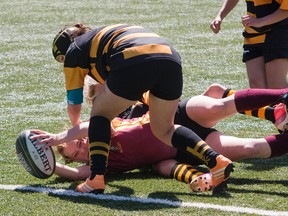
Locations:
column 63, row 192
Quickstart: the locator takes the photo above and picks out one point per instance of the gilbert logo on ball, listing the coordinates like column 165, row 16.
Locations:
column 38, row 162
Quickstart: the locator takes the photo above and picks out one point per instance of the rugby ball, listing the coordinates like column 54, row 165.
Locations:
column 38, row 162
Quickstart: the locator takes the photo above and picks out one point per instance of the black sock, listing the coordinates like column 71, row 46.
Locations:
column 186, row 140
column 99, row 142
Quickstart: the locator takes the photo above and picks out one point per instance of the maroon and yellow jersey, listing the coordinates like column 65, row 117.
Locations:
column 258, row 9
column 134, row 146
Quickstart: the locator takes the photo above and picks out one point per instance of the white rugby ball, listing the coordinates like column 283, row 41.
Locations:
column 39, row 163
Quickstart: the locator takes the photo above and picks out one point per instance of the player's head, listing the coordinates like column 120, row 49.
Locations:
column 74, row 151
column 61, row 44
column 65, row 37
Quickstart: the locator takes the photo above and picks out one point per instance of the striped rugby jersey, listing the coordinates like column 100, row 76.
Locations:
column 108, row 48
column 258, row 9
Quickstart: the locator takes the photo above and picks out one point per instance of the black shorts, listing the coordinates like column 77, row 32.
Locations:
column 274, row 47
column 162, row 77
column 182, row 118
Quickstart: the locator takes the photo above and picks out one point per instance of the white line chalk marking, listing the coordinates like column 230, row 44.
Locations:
column 63, row 192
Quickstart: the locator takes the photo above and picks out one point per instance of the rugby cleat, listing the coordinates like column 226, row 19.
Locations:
column 280, row 114
column 95, row 185
column 281, row 117
column 221, row 173
column 202, row 183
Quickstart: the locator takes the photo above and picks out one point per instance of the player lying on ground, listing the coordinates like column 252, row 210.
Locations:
column 133, row 145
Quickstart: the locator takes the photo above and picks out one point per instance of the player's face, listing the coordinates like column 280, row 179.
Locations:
column 77, row 150
column 60, row 58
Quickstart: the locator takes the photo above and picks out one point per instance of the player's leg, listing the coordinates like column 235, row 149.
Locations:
column 215, row 90
column 219, row 91
column 244, row 148
column 208, row 111
column 198, row 181
column 186, row 140
column 265, row 113
column 276, row 58
column 276, row 72
column 256, row 72
column 105, row 107
column 247, row 100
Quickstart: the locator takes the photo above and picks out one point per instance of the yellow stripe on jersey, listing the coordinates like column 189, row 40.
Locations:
column 284, row 4
column 119, row 123
column 95, row 73
column 261, row 2
column 74, row 77
column 95, row 44
column 116, row 33
column 250, row 30
column 134, row 35
column 97, row 38
column 146, row 49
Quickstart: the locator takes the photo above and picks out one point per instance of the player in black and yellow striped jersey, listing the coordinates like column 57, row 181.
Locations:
column 265, row 49
column 130, row 60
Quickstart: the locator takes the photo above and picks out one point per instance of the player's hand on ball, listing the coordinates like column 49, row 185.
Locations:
column 38, row 162
column 45, row 139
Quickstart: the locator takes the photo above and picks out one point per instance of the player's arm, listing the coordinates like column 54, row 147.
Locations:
column 226, row 8
column 74, row 105
column 70, row 173
column 77, row 132
column 275, row 17
column 74, row 81
column 74, row 113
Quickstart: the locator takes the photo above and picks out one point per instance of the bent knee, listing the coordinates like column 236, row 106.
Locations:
column 215, row 90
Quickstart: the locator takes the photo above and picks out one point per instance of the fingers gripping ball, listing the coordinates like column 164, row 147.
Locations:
column 38, row 162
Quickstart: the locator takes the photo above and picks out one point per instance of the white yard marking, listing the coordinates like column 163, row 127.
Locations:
column 64, row 192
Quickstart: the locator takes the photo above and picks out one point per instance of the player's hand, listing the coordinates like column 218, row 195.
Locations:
column 215, row 25
column 45, row 139
column 248, row 20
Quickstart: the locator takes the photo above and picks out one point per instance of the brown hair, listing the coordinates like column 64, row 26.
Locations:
column 80, row 29
column 60, row 150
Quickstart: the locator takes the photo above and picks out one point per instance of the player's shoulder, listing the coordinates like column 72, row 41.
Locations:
column 120, row 123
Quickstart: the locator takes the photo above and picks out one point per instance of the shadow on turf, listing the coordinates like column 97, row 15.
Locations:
column 266, row 164
column 244, row 181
